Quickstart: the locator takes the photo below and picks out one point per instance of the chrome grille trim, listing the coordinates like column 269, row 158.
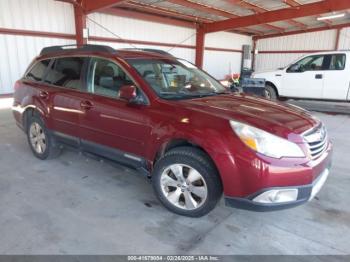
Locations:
column 317, row 141
column 319, row 149
column 316, row 145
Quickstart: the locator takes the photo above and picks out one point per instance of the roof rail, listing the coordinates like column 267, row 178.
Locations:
column 151, row 50
column 91, row 48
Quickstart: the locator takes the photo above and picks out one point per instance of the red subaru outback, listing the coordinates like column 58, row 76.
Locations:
column 174, row 123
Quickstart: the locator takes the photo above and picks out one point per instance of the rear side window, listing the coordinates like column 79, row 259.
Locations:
column 36, row 73
column 66, row 72
column 337, row 62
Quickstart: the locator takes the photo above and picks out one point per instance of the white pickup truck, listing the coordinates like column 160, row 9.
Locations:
column 324, row 76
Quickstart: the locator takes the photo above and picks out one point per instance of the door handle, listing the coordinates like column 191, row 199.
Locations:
column 44, row 94
column 318, row 76
column 86, row 105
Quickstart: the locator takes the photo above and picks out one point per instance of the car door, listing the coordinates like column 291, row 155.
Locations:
column 304, row 79
column 34, row 78
column 66, row 79
column 336, row 78
column 109, row 125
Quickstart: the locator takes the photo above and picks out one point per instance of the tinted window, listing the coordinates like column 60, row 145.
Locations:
column 337, row 62
column 38, row 70
column 312, row 63
column 176, row 78
column 66, row 72
column 106, row 78
column 309, row 63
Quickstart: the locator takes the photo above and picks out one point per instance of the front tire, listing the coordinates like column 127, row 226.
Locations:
column 270, row 93
column 186, row 182
column 40, row 140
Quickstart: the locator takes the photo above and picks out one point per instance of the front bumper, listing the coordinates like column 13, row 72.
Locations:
column 304, row 193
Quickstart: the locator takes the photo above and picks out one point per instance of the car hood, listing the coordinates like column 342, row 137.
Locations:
column 284, row 120
column 267, row 72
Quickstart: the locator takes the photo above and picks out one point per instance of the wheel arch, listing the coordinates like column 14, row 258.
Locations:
column 182, row 142
column 31, row 111
column 273, row 86
column 171, row 144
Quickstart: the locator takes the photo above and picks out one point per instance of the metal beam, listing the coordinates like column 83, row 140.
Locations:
column 294, row 51
column 297, row 24
column 336, row 46
column 251, row 31
column 254, row 55
column 172, row 45
column 340, row 26
column 163, row 11
column 148, row 17
column 80, row 24
column 8, row 31
column 91, row 6
column 272, row 27
column 327, row 22
column 211, row 10
column 279, row 15
column 247, row 5
column 257, row 9
column 203, row 8
column 73, row 2
column 291, row 3
column 200, row 42
column 139, row 42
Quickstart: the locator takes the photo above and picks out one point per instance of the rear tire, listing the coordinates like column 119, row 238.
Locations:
column 270, row 93
column 40, row 140
column 186, row 181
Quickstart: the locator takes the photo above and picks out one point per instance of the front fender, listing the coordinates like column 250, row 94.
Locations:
column 211, row 140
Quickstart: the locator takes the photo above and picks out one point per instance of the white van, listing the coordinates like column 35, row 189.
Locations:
column 323, row 76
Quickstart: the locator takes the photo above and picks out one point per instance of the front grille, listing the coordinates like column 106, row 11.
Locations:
column 317, row 141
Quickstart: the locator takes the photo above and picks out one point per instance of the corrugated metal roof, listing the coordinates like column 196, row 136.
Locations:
column 268, row 4
column 224, row 9
column 225, row 5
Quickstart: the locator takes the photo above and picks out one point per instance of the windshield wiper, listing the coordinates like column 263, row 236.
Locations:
column 223, row 92
column 173, row 95
column 182, row 94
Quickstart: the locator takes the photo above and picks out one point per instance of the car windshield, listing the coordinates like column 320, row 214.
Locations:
column 176, row 78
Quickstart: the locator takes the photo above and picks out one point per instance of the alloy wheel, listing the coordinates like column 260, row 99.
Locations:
column 37, row 138
column 184, row 187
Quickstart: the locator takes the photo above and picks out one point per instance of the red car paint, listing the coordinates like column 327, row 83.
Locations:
column 145, row 130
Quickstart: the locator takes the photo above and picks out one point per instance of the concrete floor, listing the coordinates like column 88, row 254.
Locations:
column 77, row 205
column 322, row 106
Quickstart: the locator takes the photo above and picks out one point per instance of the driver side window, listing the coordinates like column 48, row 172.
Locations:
column 310, row 63
column 106, row 78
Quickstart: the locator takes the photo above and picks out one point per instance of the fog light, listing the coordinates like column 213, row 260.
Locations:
column 277, row 196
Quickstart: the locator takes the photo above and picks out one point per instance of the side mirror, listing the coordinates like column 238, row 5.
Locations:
column 128, row 93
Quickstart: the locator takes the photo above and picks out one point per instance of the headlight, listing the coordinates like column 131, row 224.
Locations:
column 266, row 143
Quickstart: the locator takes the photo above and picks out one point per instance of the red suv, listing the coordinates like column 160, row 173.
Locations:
column 176, row 124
